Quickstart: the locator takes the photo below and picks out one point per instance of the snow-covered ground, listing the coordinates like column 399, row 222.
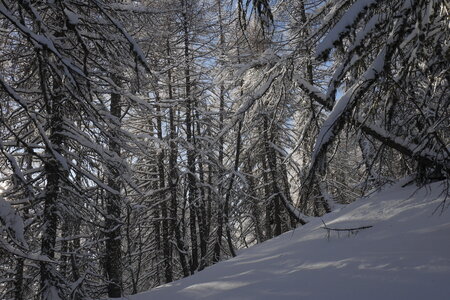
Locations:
column 405, row 255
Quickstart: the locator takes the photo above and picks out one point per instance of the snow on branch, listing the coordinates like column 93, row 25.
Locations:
column 342, row 28
column 294, row 212
column 41, row 40
column 351, row 55
column 408, row 148
column 12, row 222
column 135, row 48
column 333, row 123
column 24, row 104
column 249, row 101
column 391, row 140
column 313, row 91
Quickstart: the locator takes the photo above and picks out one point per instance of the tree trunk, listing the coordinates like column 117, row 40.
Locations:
column 220, row 204
column 18, row 279
column 192, row 189
column 275, row 191
column 252, row 198
column 113, row 259
column 166, row 249
column 173, row 183
column 54, row 108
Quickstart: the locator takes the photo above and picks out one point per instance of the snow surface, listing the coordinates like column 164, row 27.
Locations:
column 405, row 255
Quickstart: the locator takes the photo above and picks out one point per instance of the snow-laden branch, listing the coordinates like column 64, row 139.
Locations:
column 294, row 212
column 12, row 222
column 24, row 104
column 391, row 140
column 135, row 48
column 408, row 148
column 248, row 103
column 334, row 122
column 41, row 40
column 346, row 22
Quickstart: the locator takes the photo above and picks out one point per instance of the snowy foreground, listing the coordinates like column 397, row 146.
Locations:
column 405, row 255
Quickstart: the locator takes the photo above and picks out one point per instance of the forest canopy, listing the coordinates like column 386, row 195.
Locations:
column 142, row 141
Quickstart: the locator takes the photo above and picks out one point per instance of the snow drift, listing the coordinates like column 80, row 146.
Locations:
column 404, row 255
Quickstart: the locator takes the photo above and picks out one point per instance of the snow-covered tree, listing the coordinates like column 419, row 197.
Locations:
column 61, row 85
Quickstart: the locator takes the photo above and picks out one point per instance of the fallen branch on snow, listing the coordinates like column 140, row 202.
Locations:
column 353, row 230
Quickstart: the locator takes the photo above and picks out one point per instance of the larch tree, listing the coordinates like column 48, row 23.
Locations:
column 62, row 85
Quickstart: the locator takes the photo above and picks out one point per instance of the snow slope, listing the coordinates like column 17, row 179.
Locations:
column 405, row 255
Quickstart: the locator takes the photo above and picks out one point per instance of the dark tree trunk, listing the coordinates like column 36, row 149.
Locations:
column 54, row 105
column 113, row 259
column 226, row 209
column 251, row 196
column 267, row 203
column 20, row 264
column 272, row 162
column 173, row 183
column 192, row 189
column 166, row 248
column 287, row 193
column 18, row 279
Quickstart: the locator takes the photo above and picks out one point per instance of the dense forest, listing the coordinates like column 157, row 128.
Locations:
column 142, row 141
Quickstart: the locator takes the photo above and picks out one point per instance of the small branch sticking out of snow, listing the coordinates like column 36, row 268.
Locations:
column 353, row 230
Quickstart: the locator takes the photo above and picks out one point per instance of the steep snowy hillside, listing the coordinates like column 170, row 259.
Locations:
column 405, row 255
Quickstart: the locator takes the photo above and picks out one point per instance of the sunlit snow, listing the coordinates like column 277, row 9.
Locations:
column 405, row 255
